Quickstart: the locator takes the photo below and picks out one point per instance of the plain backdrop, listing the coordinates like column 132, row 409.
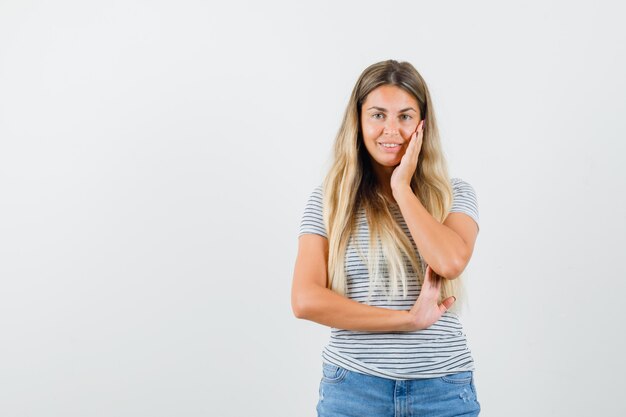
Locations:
column 156, row 157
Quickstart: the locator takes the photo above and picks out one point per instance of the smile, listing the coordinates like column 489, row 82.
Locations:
column 390, row 147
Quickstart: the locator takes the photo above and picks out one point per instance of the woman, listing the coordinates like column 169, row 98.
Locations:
column 382, row 243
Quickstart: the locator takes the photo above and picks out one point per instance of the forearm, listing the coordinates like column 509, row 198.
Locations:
column 439, row 245
column 326, row 307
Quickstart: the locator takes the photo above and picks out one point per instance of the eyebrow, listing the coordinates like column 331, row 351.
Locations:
column 385, row 110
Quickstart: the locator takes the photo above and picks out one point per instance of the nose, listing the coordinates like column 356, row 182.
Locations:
column 391, row 128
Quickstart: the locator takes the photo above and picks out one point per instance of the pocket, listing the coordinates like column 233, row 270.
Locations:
column 333, row 374
column 458, row 378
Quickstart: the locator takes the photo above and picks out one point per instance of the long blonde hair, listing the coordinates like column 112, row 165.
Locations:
column 351, row 184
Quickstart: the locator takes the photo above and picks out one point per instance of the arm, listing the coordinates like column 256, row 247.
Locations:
column 311, row 300
column 446, row 247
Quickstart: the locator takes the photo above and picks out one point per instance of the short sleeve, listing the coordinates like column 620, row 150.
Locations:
column 312, row 218
column 464, row 199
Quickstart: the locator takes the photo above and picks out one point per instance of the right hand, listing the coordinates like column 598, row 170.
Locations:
column 426, row 310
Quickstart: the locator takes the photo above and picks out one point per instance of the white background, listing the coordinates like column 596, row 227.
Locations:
column 156, row 156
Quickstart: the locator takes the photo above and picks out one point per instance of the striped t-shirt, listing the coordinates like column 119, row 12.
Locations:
column 439, row 350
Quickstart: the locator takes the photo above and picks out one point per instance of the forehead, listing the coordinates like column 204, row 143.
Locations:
column 389, row 97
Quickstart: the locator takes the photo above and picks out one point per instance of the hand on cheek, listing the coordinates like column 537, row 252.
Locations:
column 403, row 173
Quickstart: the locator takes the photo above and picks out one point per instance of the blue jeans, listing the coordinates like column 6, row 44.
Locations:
column 345, row 393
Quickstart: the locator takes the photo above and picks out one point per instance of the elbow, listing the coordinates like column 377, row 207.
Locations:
column 298, row 310
column 451, row 272
column 455, row 267
column 299, row 306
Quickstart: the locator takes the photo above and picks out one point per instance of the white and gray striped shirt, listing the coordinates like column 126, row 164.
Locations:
column 439, row 350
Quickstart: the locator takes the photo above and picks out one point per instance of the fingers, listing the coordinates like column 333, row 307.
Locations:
column 414, row 139
column 418, row 135
column 427, row 275
column 420, row 127
column 447, row 303
column 431, row 279
column 415, row 143
column 412, row 148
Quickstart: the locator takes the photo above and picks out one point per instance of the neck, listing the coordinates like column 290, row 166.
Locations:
column 383, row 177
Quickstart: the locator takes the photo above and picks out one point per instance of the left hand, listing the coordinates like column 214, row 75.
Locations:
column 403, row 173
column 427, row 310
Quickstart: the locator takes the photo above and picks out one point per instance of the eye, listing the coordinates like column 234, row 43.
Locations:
column 376, row 115
column 405, row 117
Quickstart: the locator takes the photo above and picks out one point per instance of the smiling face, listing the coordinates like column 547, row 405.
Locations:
column 389, row 116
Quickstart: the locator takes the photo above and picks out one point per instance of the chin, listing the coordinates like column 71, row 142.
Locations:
column 389, row 163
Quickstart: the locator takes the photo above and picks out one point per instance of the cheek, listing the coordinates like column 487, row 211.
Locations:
column 371, row 131
column 407, row 131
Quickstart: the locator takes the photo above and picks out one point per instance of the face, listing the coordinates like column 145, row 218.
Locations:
column 389, row 116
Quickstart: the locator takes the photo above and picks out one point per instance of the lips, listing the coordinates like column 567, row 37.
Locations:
column 392, row 147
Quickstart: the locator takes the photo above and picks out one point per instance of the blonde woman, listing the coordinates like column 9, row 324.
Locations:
column 383, row 241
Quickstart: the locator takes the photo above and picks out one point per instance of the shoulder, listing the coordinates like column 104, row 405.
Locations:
column 312, row 218
column 462, row 188
column 459, row 183
column 319, row 190
column 464, row 198
column 316, row 195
